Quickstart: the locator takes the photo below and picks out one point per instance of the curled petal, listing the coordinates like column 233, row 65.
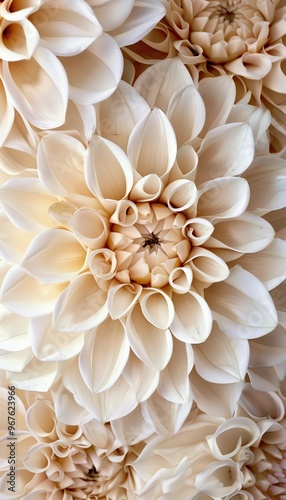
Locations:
column 60, row 159
column 198, row 230
column 41, row 420
column 174, row 384
column 151, row 344
column 54, row 256
column 142, row 378
column 157, row 308
column 27, row 296
column 218, row 95
column 223, row 198
column 206, row 266
column 148, row 188
column 121, row 298
column 152, row 146
column 90, row 227
column 125, row 214
column 220, row 478
column 250, row 66
column 19, row 40
column 261, row 404
column 108, row 170
column 241, row 305
column 94, row 74
column 186, row 102
column 81, row 306
column 181, row 279
column 104, row 355
column 42, row 75
column 102, row 264
column 159, row 82
column 193, row 319
column 180, row 195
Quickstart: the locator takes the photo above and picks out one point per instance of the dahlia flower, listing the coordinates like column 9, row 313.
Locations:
column 51, row 52
column 126, row 267
column 243, row 38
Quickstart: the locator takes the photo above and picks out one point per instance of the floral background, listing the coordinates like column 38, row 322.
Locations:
column 143, row 252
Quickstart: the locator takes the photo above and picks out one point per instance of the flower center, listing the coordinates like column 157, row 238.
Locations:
column 152, row 247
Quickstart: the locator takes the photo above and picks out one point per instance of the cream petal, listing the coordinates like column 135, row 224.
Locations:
column 27, row 296
column 6, row 114
column 259, row 119
column 18, row 360
column 151, row 344
column 94, row 74
column 81, row 306
column 19, row 40
column 14, row 331
column 206, row 266
column 90, row 227
column 247, row 233
column 35, row 376
column 198, row 230
column 242, row 305
column 13, row 241
column 131, row 429
column 180, row 195
column 144, row 16
column 104, row 355
column 48, row 344
column 186, row 112
column 160, row 81
column 186, row 163
column 121, row 298
column 157, row 308
column 218, row 95
column 38, row 458
column 174, row 384
column 193, row 319
column 250, row 66
column 118, row 115
column 140, row 377
column 261, row 404
column 180, row 279
column 220, row 478
column 111, row 13
column 54, row 256
column 66, row 409
column 60, row 159
column 264, row 378
column 26, row 202
column 223, row 198
column 108, row 171
column 41, row 420
column 269, row 350
column 215, row 399
column 146, row 189
column 152, row 146
column 39, row 88
column 221, row 359
column 126, row 213
column 102, row 264
column 68, row 29
column 225, row 151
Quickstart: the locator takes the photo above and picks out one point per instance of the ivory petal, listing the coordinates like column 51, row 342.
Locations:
column 157, row 308
column 193, row 319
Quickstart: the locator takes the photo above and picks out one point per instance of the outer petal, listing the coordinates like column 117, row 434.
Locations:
column 152, row 345
column 152, row 146
column 104, row 355
column 108, row 171
column 225, row 151
column 54, row 256
column 241, row 305
column 140, row 377
column 90, row 227
column 174, row 384
column 6, row 114
column 261, row 404
column 35, row 376
column 13, row 241
column 81, row 306
column 39, row 88
column 157, row 308
column 16, row 359
column 206, row 266
column 221, row 359
column 14, row 331
column 94, row 74
column 27, row 296
column 193, row 319
column 111, row 13
column 18, row 41
column 218, row 95
column 67, row 29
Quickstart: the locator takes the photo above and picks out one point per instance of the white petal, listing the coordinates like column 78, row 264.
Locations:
column 225, row 151
column 13, row 241
column 218, row 95
column 193, row 319
column 17, row 360
column 142, row 378
column 157, row 308
column 152, row 146
column 198, row 230
column 148, row 188
column 27, row 296
column 152, row 345
column 53, row 256
column 186, row 163
column 108, row 170
column 206, row 266
column 90, row 227
column 242, row 305
column 6, row 114
column 102, row 264
column 181, row 279
column 66, row 409
column 131, row 429
column 261, row 404
column 35, row 376
column 14, row 331
column 174, row 384
column 220, row 478
column 48, row 344
column 111, row 13
column 81, row 306
column 39, row 88
column 121, row 298
column 160, row 81
column 180, row 195
column 221, row 359
column 94, row 74
column 60, row 159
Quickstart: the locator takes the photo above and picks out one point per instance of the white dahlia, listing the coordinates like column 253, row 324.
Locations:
column 126, row 267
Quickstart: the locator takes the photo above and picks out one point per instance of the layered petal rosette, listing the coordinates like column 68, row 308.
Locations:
column 135, row 247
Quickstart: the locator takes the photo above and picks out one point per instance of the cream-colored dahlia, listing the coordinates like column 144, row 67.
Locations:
column 126, row 266
column 243, row 38
column 69, row 49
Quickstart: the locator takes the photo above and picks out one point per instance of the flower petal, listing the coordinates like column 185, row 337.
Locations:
column 241, row 305
column 14, row 331
column 142, row 378
column 111, row 13
column 157, row 308
column 206, row 266
column 104, row 355
column 250, row 66
column 218, row 95
column 180, row 195
column 198, row 230
column 193, row 319
column 90, row 227
column 121, row 298
column 35, row 376
column 174, row 384
column 6, row 114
